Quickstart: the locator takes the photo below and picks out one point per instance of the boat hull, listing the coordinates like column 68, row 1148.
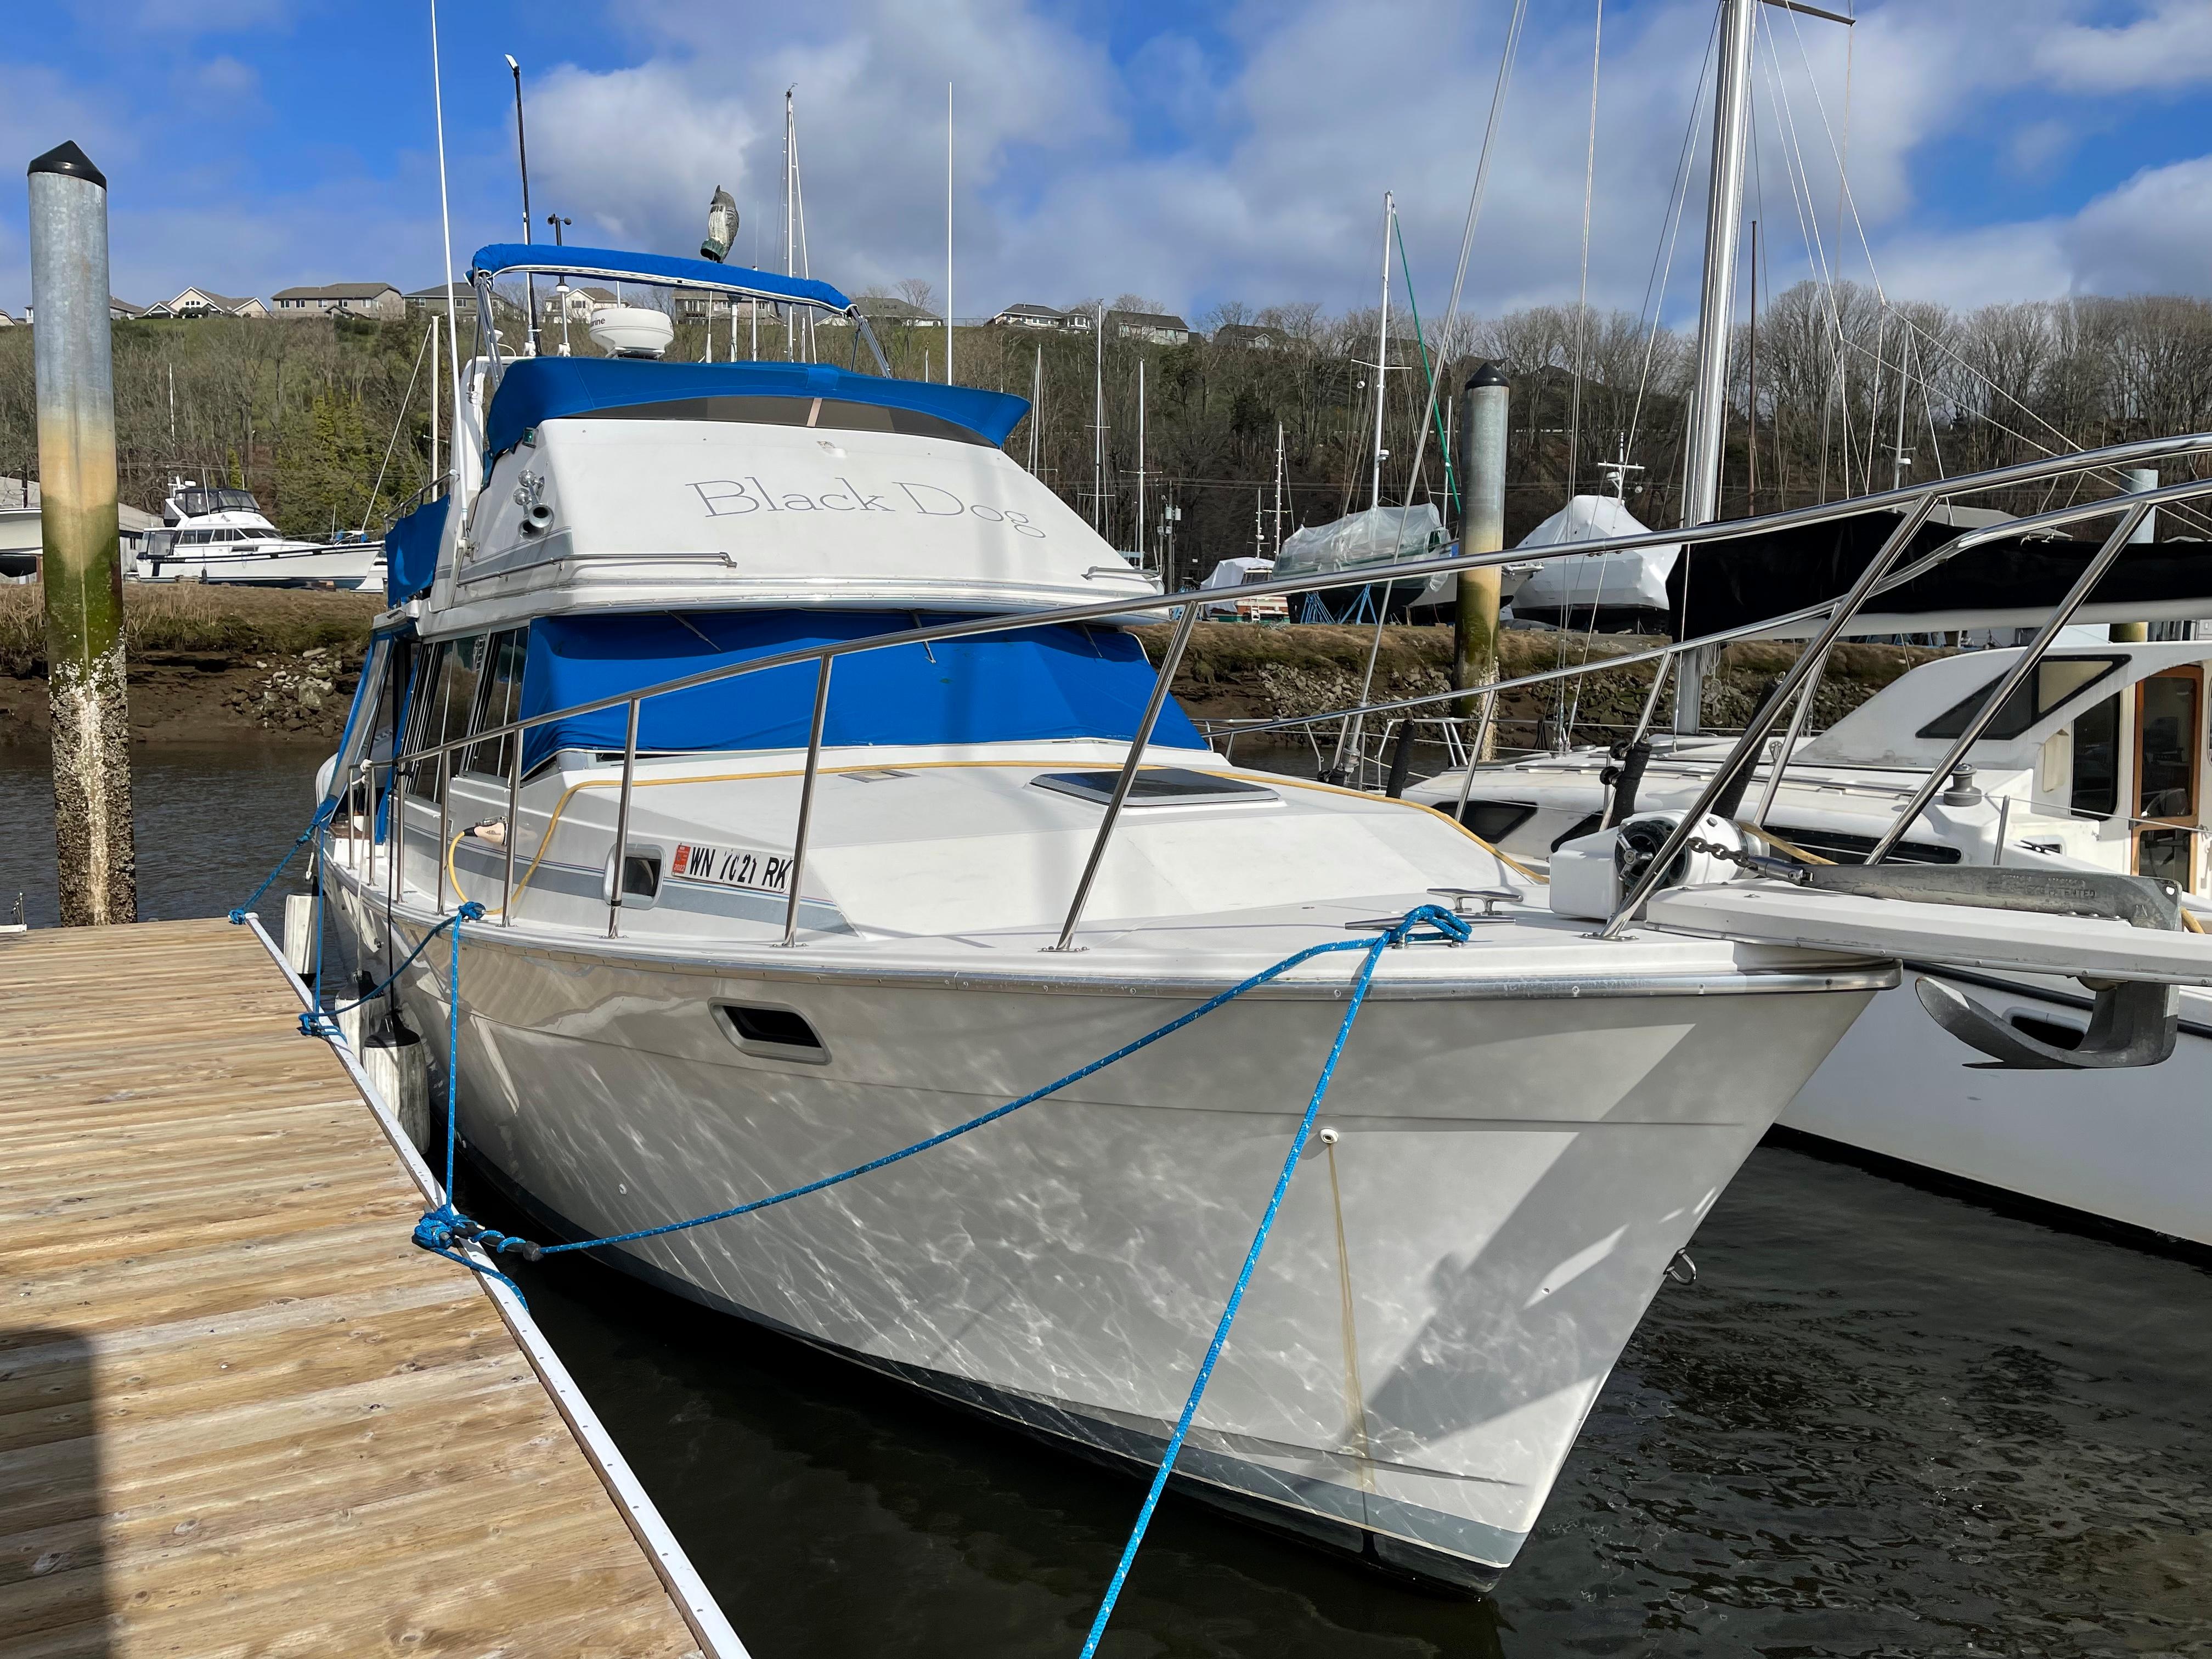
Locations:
column 2128, row 1147
column 1447, row 1287
column 343, row 565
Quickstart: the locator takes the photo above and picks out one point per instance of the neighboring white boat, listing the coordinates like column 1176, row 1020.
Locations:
column 2097, row 764
column 1232, row 573
column 686, row 999
column 213, row 534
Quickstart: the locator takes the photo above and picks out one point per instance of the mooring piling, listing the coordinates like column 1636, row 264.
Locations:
column 82, row 561
column 1482, row 429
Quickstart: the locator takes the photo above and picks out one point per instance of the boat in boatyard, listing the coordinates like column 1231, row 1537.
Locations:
column 2096, row 764
column 213, row 534
column 702, row 983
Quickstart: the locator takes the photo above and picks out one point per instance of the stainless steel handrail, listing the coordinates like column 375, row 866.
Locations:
column 2024, row 665
column 622, row 819
column 1128, row 776
column 1762, row 718
column 2131, row 508
column 1917, row 503
column 807, row 799
column 1966, row 541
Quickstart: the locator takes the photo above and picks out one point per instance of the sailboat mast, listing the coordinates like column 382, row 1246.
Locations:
column 790, row 230
column 1099, row 425
column 1717, row 305
column 948, row 232
column 1381, row 344
column 1701, row 482
column 1141, row 462
column 1037, row 406
column 1278, row 487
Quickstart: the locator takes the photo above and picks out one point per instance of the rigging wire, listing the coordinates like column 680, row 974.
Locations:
column 1474, row 200
column 1847, row 198
column 1505, row 58
column 1654, row 285
column 1582, row 290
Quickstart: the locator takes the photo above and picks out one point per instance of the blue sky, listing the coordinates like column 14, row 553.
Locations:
column 1999, row 149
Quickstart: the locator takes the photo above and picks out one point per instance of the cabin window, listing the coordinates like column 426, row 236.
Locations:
column 832, row 414
column 2169, row 746
column 2097, row 760
column 449, row 699
column 501, row 696
column 2053, row 681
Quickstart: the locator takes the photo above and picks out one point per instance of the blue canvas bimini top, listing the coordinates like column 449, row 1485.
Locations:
column 662, row 268
column 534, row 389
column 1027, row 685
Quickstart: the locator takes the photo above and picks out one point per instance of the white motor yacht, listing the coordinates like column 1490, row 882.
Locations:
column 767, row 923
column 214, row 534
column 2096, row 764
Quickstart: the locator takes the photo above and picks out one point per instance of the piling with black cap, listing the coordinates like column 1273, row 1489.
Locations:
column 1482, row 428
column 81, row 562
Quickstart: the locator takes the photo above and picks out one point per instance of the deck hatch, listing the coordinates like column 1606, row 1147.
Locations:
column 1159, row 786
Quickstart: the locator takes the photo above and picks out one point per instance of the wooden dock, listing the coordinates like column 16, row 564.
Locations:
column 240, row 1413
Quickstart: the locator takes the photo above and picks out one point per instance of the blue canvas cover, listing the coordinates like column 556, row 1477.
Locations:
column 411, row 550
column 657, row 268
column 1058, row 681
column 534, row 389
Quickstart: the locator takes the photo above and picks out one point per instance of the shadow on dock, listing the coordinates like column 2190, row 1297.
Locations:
column 53, row 1501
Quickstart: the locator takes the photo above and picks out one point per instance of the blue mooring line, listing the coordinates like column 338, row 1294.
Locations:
column 445, row 1230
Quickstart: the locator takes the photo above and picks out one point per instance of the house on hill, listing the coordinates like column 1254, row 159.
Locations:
column 381, row 301
column 581, row 301
column 1031, row 316
column 205, row 302
column 432, row 300
column 1252, row 336
column 1154, row 327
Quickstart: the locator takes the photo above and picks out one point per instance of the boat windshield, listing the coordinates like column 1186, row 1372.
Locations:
column 193, row 503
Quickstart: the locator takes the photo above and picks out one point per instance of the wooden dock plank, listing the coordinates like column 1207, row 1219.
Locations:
column 239, row 1412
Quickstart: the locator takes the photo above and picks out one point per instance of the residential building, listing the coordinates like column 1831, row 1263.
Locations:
column 6, row 321
column 204, row 302
column 119, row 310
column 1031, row 316
column 379, row 299
column 1154, row 327
column 432, row 300
column 1256, row 336
column 881, row 308
column 705, row 307
column 580, row 302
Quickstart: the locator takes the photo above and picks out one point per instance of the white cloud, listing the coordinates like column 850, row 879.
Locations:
column 1198, row 171
column 2154, row 232
column 2169, row 46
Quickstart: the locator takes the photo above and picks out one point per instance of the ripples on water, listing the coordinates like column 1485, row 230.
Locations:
column 1886, row 1421
column 207, row 823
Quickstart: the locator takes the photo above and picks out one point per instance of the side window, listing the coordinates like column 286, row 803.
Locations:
column 449, row 698
column 2097, row 760
column 502, row 698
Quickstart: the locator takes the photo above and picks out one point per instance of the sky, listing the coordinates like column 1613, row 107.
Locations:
column 1997, row 150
